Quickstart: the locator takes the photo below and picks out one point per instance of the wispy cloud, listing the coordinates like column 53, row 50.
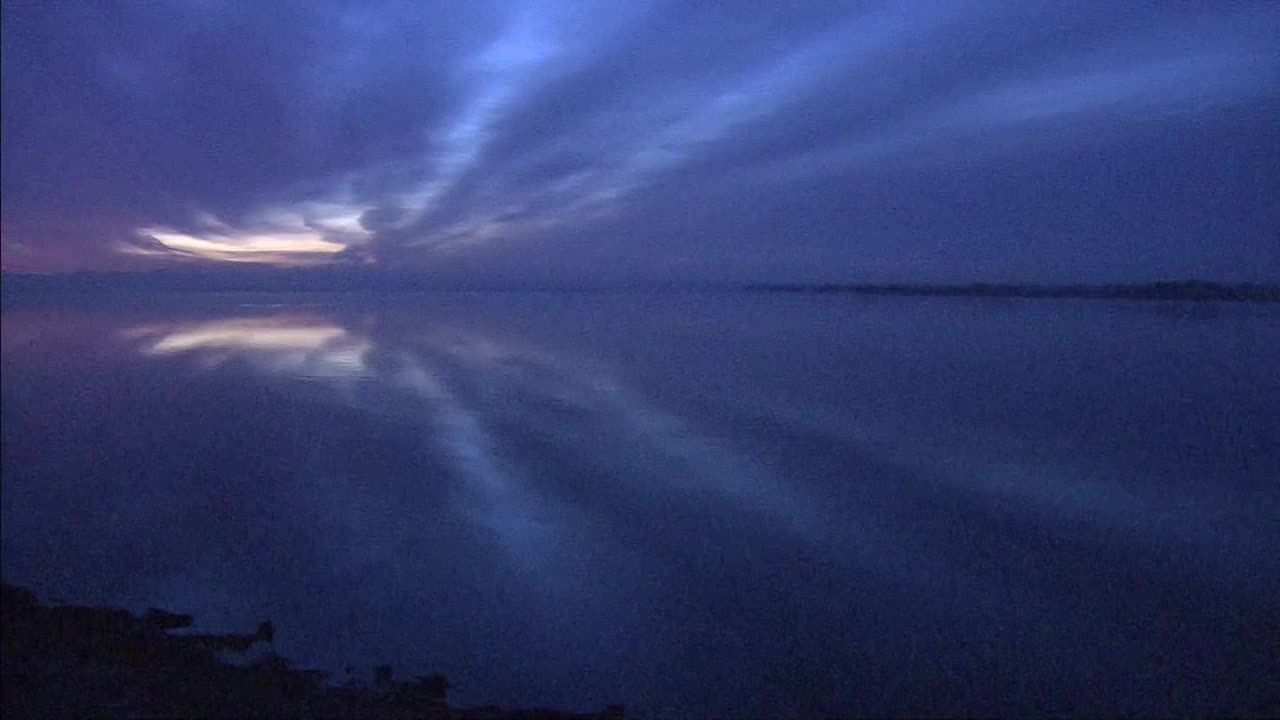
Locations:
column 598, row 138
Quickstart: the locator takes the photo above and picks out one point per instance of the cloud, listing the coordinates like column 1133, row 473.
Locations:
column 569, row 140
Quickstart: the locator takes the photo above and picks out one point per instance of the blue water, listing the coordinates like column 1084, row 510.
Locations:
column 693, row 504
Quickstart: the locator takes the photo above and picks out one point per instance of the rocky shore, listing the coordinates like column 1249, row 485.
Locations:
column 80, row 661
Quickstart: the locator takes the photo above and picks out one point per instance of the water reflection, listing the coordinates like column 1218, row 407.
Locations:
column 458, row 383
column 299, row 345
column 511, row 418
column 752, row 506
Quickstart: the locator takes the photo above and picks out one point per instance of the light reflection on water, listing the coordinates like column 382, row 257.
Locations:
column 443, row 373
column 694, row 507
column 293, row 344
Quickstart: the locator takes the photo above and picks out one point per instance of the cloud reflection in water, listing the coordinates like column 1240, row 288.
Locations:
column 647, row 490
column 466, row 388
column 299, row 345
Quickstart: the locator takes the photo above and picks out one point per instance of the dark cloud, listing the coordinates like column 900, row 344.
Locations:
column 558, row 141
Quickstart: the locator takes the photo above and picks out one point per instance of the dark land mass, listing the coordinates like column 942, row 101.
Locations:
column 19, row 285
column 1194, row 290
column 79, row 661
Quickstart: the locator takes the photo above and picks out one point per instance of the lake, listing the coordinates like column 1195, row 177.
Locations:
column 692, row 504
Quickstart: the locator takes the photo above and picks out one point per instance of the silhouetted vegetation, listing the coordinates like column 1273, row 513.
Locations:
column 78, row 661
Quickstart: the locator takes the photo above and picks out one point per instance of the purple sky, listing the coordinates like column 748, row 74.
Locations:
column 562, row 141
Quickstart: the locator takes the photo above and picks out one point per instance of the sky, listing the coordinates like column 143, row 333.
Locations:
column 552, row 141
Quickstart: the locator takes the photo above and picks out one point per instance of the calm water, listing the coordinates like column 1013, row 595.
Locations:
column 691, row 504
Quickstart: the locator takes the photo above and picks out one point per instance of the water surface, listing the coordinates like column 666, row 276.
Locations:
column 696, row 505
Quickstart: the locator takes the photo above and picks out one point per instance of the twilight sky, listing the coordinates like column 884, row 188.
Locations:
column 952, row 140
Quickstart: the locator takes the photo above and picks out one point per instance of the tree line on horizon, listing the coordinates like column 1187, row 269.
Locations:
column 335, row 279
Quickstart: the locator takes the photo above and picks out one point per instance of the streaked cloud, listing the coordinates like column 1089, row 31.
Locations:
column 566, row 140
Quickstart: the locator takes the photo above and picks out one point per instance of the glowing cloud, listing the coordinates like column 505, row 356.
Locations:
column 223, row 246
column 293, row 235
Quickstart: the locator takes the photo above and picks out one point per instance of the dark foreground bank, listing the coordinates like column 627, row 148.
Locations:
column 78, row 661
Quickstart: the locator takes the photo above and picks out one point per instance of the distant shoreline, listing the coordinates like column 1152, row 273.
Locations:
column 17, row 285
column 1193, row 290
